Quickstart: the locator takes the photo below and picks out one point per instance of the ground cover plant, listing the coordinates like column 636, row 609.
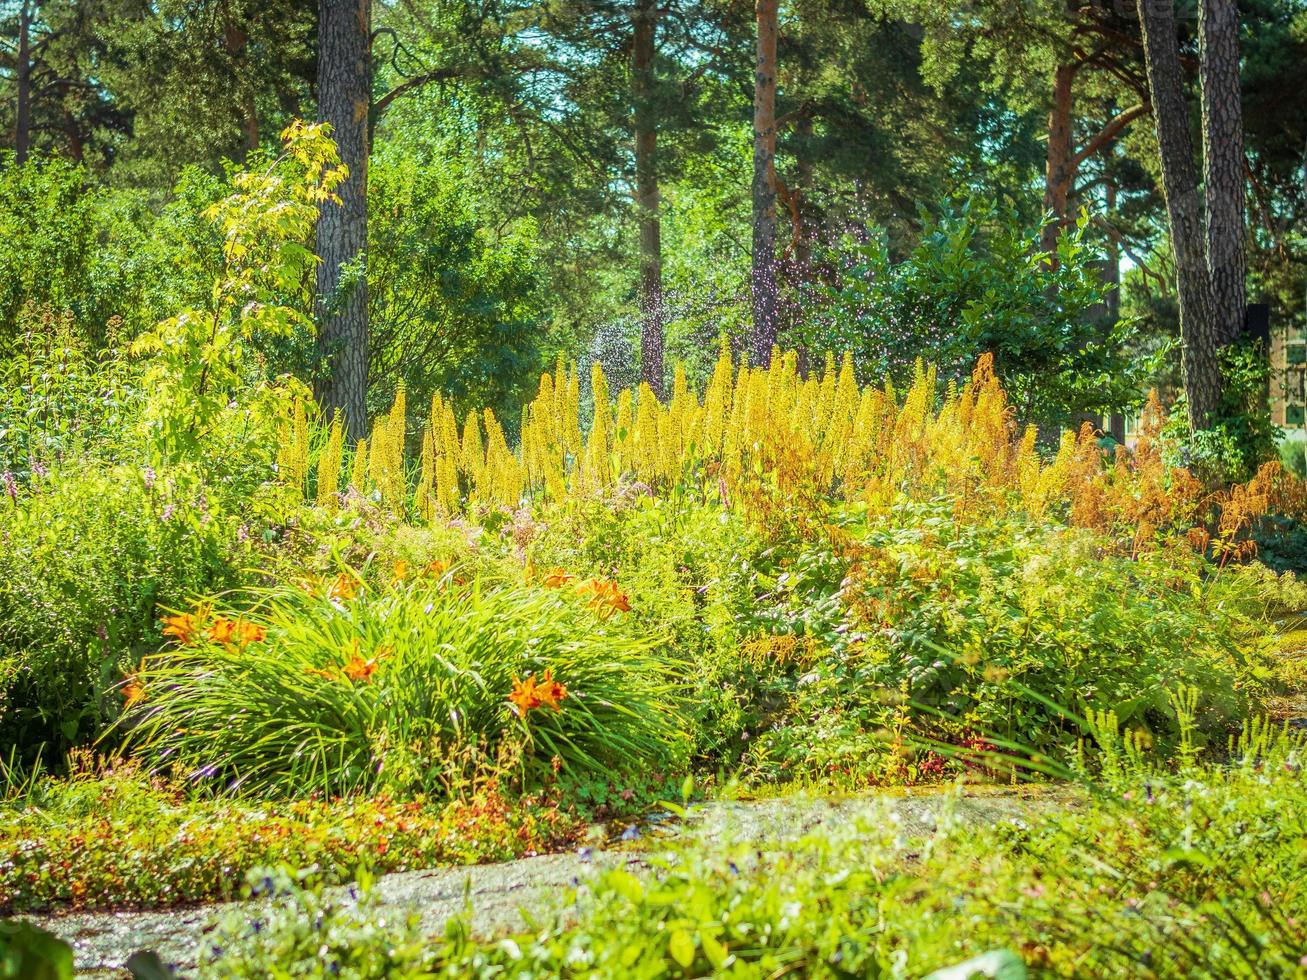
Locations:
column 120, row 839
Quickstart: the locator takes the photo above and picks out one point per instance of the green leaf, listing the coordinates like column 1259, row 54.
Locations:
column 681, row 945
column 717, row 954
column 146, row 965
column 626, row 884
column 28, row 952
column 998, row 964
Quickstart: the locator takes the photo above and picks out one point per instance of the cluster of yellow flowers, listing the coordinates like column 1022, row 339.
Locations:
column 768, row 440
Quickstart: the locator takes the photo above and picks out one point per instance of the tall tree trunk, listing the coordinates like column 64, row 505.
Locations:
column 803, row 236
column 1059, row 168
column 1116, row 421
column 1198, row 339
column 23, row 114
column 763, row 284
column 1223, row 163
column 645, row 18
column 344, row 98
column 250, row 123
column 236, row 38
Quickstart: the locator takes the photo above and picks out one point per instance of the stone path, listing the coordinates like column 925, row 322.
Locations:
column 497, row 892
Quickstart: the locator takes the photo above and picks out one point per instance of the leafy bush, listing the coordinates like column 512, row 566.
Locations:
column 979, row 283
column 208, row 398
column 50, row 249
column 307, row 932
column 1293, row 457
column 87, row 555
column 989, row 629
column 964, row 609
column 59, row 399
column 352, row 689
column 1242, row 437
column 685, row 566
column 453, row 307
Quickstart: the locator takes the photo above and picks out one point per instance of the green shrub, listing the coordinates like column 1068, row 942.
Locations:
column 59, row 398
column 1293, row 456
column 988, row 630
column 306, row 931
column 87, row 555
column 979, row 282
column 1242, row 437
column 975, row 616
column 1281, row 543
column 402, row 689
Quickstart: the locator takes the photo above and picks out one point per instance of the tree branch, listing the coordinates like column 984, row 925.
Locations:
column 1114, row 233
column 1108, row 133
column 416, row 82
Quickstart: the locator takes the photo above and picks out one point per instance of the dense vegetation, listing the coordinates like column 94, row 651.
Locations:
column 490, row 458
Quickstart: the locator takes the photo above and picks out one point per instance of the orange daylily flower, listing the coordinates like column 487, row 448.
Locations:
column 438, row 567
column 556, row 578
column 605, row 597
column 185, row 627
column 528, row 694
column 400, row 570
column 344, row 588
column 247, row 633
column 132, row 691
column 523, row 696
column 551, row 692
column 222, row 630
column 359, row 669
column 237, row 632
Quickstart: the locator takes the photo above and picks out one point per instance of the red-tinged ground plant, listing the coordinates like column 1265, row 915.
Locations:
column 128, row 840
column 354, row 687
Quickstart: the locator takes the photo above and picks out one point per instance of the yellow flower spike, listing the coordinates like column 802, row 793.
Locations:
column 329, row 463
column 472, row 458
column 596, row 451
column 358, row 472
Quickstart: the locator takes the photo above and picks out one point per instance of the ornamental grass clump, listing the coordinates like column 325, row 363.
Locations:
column 412, row 688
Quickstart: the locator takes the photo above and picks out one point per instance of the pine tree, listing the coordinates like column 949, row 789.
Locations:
column 341, row 306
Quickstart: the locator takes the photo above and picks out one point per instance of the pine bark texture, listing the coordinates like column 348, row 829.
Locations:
column 1198, row 339
column 1058, row 168
column 1223, row 163
column 23, row 73
column 763, row 280
column 344, row 98
column 645, row 18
